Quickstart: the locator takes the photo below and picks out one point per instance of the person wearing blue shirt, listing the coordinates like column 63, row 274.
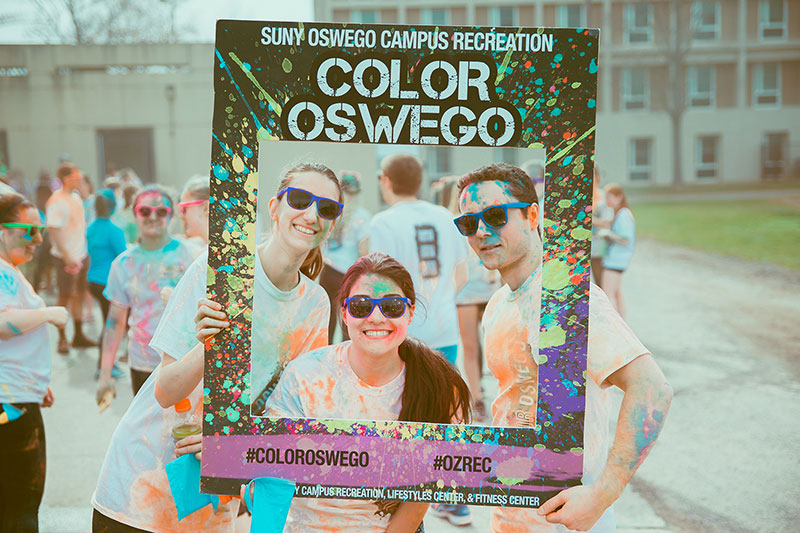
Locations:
column 105, row 241
column 621, row 240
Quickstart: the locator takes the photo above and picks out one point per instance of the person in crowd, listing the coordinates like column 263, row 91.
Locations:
column 602, row 216
column 421, row 236
column 105, row 242
column 135, row 281
column 500, row 219
column 341, row 250
column 24, row 368
column 290, row 317
column 621, row 240
column 194, row 213
column 380, row 374
column 43, row 260
column 66, row 223
column 124, row 218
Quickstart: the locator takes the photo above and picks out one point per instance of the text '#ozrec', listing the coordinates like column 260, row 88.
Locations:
column 379, row 99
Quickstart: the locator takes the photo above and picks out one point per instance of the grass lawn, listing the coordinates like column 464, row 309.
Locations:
column 766, row 230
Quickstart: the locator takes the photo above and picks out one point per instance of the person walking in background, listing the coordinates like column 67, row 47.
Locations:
column 421, row 236
column 24, row 368
column 621, row 240
column 602, row 216
column 341, row 249
column 134, row 288
column 105, row 242
column 66, row 223
column 193, row 208
column 124, row 217
column 43, row 260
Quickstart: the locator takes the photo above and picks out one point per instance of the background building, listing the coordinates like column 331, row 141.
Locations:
column 730, row 69
column 727, row 71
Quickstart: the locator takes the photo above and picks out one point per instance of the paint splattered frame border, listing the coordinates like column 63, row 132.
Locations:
column 555, row 95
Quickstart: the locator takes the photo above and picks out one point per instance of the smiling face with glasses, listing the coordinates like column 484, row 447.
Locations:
column 499, row 227
column 305, row 210
column 152, row 212
column 377, row 314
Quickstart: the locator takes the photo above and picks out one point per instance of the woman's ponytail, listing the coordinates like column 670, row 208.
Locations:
column 434, row 390
column 312, row 265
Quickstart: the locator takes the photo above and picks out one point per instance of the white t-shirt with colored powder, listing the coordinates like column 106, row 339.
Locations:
column 423, row 238
column 321, row 384
column 135, row 282
column 511, row 323
column 24, row 359
column 65, row 211
column 133, row 487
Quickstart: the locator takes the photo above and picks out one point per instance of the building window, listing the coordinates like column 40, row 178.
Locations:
column 503, row 16
column 639, row 23
column 773, row 155
column 641, row 160
column 570, row 16
column 772, row 19
column 708, row 156
column 766, row 84
column 702, row 86
column 705, row 20
column 364, row 16
column 635, row 88
column 436, row 17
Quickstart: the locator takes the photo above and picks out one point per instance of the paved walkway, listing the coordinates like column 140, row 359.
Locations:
column 724, row 331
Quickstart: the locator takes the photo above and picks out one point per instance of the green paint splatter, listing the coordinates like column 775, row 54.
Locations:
column 236, row 284
column 554, row 336
column 287, row 65
column 555, row 275
column 275, row 106
column 232, row 414
column 580, row 234
column 510, row 480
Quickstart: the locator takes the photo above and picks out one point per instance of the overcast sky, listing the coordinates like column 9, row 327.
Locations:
column 201, row 14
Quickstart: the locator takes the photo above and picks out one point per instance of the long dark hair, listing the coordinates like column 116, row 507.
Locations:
column 434, row 391
column 312, row 265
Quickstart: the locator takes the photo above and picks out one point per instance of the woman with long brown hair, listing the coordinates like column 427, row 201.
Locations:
column 620, row 239
column 290, row 317
column 380, row 374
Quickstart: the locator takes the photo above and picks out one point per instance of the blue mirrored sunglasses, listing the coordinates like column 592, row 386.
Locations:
column 300, row 199
column 495, row 216
column 390, row 306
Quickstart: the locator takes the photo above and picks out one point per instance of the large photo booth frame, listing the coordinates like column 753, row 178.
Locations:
column 540, row 93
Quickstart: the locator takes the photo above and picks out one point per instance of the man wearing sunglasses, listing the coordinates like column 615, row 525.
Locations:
column 500, row 219
column 66, row 224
